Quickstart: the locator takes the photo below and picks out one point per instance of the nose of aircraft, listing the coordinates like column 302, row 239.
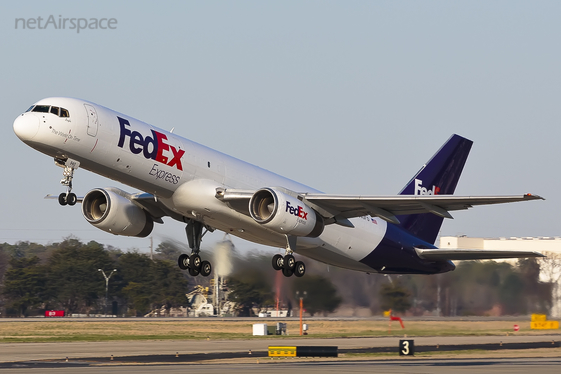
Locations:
column 26, row 126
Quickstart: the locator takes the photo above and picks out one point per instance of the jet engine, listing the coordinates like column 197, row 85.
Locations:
column 111, row 210
column 284, row 214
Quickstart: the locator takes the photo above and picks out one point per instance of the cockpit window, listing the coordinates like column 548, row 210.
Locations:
column 41, row 108
column 29, row 110
column 60, row 112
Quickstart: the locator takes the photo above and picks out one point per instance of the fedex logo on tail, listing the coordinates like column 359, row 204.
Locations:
column 420, row 190
column 152, row 147
column 296, row 211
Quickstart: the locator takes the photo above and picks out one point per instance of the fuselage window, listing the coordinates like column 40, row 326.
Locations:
column 64, row 113
column 54, row 110
column 29, row 110
column 41, row 108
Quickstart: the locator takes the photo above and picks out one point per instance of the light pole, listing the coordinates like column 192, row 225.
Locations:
column 301, row 297
column 106, row 285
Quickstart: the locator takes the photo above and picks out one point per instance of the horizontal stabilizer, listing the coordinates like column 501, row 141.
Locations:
column 472, row 254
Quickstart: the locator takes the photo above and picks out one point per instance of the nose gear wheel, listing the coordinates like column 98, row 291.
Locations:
column 69, row 166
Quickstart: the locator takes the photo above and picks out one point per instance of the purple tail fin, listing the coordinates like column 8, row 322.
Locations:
column 439, row 176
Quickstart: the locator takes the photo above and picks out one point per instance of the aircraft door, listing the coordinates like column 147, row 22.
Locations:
column 93, row 121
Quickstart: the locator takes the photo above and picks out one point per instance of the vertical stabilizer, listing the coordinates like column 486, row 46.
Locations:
column 439, row 176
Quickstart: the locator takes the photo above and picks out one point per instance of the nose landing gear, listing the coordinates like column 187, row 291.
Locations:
column 69, row 165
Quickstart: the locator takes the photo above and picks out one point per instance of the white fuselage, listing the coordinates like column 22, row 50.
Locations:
column 183, row 175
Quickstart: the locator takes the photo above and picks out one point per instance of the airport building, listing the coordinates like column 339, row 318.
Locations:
column 550, row 267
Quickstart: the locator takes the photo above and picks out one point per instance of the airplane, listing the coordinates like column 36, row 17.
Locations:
column 209, row 190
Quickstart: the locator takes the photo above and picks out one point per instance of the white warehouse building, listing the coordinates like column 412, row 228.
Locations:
column 550, row 267
column 543, row 244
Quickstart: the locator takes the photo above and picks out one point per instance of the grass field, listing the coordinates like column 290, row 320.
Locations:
column 151, row 329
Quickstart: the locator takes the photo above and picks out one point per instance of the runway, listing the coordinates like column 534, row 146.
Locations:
column 233, row 355
column 442, row 366
column 11, row 352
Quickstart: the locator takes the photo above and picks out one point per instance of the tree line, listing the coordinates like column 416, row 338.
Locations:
column 65, row 275
column 473, row 288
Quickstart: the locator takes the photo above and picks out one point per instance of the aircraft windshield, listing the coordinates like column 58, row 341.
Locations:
column 60, row 112
column 41, row 109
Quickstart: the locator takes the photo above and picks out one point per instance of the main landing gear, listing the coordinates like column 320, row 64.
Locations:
column 69, row 165
column 287, row 263
column 193, row 263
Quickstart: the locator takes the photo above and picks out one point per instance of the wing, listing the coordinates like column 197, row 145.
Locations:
column 472, row 254
column 338, row 208
column 389, row 207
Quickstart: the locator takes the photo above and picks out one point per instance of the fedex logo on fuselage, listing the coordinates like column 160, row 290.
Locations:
column 153, row 148
column 420, row 190
column 296, row 211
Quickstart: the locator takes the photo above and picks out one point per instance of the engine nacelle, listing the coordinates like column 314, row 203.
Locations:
column 284, row 214
column 111, row 211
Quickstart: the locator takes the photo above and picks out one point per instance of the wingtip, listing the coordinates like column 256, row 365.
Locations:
column 533, row 197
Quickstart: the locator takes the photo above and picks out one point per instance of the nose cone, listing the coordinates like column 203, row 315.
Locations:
column 26, row 126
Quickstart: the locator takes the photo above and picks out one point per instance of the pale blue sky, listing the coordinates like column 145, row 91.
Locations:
column 345, row 96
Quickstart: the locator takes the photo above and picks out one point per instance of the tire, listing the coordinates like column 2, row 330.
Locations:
column 287, row 272
column 183, row 261
column 206, row 268
column 278, row 261
column 71, row 199
column 299, row 269
column 289, row 262
column 195, row 262
column 193, row 272
column 62, row 199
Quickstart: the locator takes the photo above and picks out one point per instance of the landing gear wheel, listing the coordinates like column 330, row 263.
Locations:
column 183, row 261
column 278, row 262
column 289, row 262
column 206, row 268
column 287, row 272
column 62, row 199
column 299, row 269
column 195, row 262
column 71, row 199
column 69, row 166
